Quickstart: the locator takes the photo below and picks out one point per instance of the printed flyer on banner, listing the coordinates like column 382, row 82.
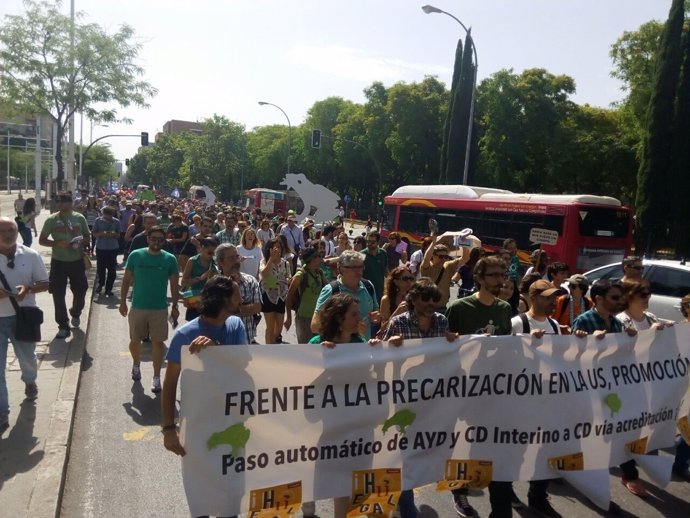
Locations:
column 305, row 419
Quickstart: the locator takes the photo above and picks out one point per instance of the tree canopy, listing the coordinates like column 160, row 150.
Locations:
column 42, row 72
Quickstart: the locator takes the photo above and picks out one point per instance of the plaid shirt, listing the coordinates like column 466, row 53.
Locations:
column 231, row 237
column 251, row 294
column 591, row 321
column 407, row 326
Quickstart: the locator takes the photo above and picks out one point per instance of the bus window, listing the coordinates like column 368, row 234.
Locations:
column 603, row 222
column 389, row 216
column 415, row 219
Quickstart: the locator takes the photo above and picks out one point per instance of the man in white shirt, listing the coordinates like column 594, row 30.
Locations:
column 25, row 274
column 536, row 321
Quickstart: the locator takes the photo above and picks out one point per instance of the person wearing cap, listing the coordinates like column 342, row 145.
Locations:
column 66, row 232
column 537, row 321
column 571, row 305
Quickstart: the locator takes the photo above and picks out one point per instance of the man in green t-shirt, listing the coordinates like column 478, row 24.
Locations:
column 375, row 263
column 483, row 313
column 66, row 232
column 150, row 269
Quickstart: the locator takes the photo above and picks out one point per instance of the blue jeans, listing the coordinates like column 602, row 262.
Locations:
column 26, row 355
column 27, row 238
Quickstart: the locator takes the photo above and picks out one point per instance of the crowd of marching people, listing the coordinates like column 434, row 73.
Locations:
column 230, row 267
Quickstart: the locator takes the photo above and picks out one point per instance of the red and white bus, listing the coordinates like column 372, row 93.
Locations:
column 592, row 230
column 269, row 201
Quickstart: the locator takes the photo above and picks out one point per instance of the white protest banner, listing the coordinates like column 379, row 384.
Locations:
column 258, row 417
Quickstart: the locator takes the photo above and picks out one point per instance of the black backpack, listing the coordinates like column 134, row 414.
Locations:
column 526, row 328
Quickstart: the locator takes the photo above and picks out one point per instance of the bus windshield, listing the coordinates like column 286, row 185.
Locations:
column 603, row 222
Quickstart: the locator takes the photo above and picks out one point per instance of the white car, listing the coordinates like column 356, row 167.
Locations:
column 669, row 282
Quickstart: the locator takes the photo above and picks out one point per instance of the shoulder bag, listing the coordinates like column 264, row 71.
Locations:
column 29, row 318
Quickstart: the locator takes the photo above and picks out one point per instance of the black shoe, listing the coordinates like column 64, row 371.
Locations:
column 108, row 294
column 462, row 506
column 31, row 391
column 615, row 509
column 682, row 473
column 515, row 502
column 542, row 508
column 99, row 288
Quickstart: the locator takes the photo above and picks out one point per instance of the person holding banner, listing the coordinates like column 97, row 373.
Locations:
column 217, row 325
column 340, row 323
column 598, row 321
column 484, row 313
column 419, row 320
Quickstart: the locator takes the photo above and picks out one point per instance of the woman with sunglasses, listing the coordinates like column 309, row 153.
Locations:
column 635, row 302
column 395, row 290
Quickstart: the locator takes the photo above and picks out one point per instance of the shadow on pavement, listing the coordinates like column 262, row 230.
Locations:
column 144, row 409
column 15, row 449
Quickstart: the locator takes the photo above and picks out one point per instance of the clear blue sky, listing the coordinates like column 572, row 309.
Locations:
column 222, row 56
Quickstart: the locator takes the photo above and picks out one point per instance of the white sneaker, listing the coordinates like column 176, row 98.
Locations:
column 156, row 384
column 136, row 373
column 75, row 322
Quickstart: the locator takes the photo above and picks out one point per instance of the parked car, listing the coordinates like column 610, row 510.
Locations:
column 669, row 282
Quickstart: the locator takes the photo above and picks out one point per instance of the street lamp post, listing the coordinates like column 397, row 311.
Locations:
column 289, row 145
column 428, row 9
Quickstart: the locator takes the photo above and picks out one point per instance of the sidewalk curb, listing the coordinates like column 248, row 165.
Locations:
column 46, row 497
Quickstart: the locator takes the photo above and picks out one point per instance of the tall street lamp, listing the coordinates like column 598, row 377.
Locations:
column 289, row 144
column 428, row 9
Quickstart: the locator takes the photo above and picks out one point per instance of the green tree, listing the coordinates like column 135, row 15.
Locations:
column 634, row 58
column 266, row 151
column 523, row 128
column 416, row 116
column 653, row 179
column 446, row 127
column 680, row 158
column 458, row 131
column 99, row 164
column 217, row 157
column 43, row 73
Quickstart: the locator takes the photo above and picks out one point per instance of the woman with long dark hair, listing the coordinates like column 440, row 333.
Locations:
column 274, row 274
column 395, row 290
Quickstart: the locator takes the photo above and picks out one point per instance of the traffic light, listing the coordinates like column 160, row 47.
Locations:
column 127, row 162
column 380, row 200
column 316, row 139
column 144, row 138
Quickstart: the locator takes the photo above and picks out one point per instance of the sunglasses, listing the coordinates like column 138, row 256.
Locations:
column 427, row 296
column 645, row 294
column 444, row 257
column 408, row 278
column 638, row 268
